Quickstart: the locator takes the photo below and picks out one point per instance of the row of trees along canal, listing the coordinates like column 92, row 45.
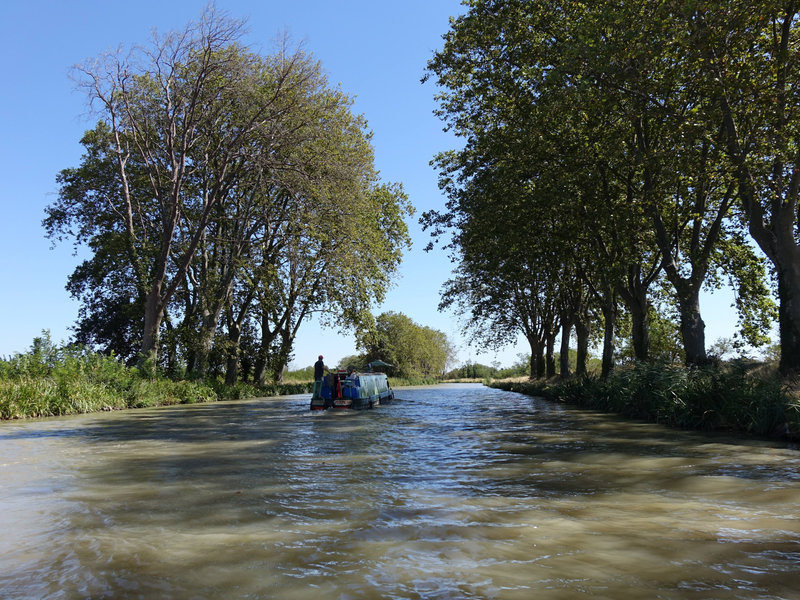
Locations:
column 224, row 196
column 619, row 157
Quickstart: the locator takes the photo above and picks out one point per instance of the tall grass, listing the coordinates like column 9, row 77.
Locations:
column 52, row 380
column 242, row 389
column 409, row 381
column 719, row 398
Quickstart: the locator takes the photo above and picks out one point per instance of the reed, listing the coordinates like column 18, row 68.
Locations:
column 241, row 390
column 411, row 381
column 52, row 380
column 715, row 398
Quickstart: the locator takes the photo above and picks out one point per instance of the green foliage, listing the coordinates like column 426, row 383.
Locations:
column 358, row 362
column 516, row 370
column 248, row 198
column 724, row 398
column 52, row 380
column 396, row 382
column 471, row 371
column 607, row 160
column 665, row 338
column 150, row 392
column 241, row 390
column 415, row 351
column 756, row 308
column 304, row 374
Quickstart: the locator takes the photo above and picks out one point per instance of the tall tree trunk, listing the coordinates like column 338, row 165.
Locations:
column 634, row 294
column 532, row 366
column 260, row 370
column 232, row 363
column 582, row 332
column 540, row 362
column 247, row 365
column 610, row 318
column 235, row 336
column 640, row 329
column 789, row 316
column 206, row 334
column 550, row 359
column 535, row 352
column 563, row 359
column 281, row 358
column 153, row 315
column 172, row 350
column 692, row 327
column 262, row 359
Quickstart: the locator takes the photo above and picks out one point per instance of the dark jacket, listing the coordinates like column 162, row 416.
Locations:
column 319, row 367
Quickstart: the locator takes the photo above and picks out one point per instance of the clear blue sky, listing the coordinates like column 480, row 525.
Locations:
column 376, row 51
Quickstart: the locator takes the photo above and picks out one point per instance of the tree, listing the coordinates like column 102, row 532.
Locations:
column 182, row 113
column 495, row 68
column 684, row 185
column 224, row 188
column 746, row 56
column 594, row 116
column 413, row 349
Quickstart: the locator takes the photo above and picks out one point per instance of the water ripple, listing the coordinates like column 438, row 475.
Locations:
column 452, row 492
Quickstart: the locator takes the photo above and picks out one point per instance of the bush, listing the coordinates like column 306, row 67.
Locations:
column 408, row 381
column 146, row 392
column 52, row 380
column 725, row 397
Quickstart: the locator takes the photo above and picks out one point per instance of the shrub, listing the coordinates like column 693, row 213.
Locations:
column 726, row 397
column 52, row 380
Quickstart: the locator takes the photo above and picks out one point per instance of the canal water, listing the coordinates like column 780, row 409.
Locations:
column 454, row 491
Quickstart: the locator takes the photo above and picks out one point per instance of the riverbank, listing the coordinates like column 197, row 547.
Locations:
column 457, row 491
column 729, row 397
column 52, row 381
column 64, row 393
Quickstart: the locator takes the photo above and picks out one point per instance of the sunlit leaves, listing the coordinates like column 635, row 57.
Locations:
column 594, row 143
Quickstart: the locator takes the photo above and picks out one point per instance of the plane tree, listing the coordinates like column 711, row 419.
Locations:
column 745, row 54
column 214, row 172
column 523, row 120
column 684, row 187
column 604, row 102
column 181, row 112
column 412, row 349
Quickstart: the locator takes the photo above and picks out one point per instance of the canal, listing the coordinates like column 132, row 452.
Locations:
column 454, row 491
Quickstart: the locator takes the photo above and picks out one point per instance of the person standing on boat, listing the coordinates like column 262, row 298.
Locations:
column 319, row 369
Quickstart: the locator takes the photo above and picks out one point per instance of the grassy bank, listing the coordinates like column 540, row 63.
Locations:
column 51, row 381
column 396, row 382
column 729, row 398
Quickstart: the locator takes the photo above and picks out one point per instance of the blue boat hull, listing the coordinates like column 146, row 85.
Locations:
column 358, row 391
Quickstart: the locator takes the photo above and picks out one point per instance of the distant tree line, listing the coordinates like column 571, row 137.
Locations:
column 224, row 197
column 414, row 351
column 618, row 158
column 474, row 370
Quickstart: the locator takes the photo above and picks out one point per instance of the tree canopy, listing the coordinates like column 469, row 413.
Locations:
column 610, row 155
column 225, row 196
column 414, row 350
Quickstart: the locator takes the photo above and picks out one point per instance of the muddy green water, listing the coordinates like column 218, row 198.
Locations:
column 452, row 492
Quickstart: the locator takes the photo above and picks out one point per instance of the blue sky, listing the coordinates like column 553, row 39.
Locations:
column 376, row 51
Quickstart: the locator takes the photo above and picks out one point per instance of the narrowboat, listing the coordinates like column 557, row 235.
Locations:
column 340, row 389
